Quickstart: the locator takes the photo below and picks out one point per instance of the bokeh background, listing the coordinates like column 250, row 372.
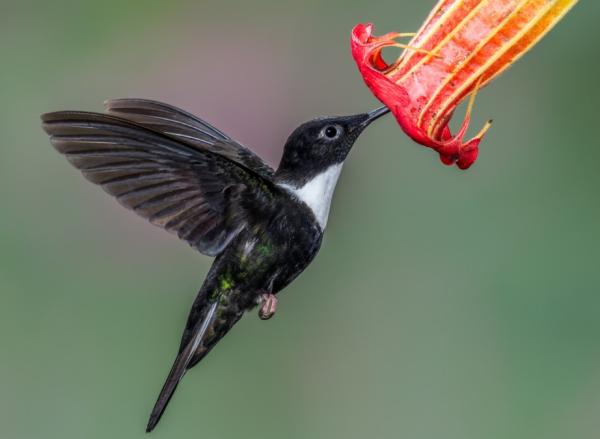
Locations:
column 443, row 304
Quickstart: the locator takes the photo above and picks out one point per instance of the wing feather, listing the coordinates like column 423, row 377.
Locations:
column 194, row 192
column 187, row 128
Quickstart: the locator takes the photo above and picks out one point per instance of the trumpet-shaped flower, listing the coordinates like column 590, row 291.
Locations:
column 461, row 47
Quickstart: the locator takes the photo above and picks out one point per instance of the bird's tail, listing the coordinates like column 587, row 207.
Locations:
column 205, row 329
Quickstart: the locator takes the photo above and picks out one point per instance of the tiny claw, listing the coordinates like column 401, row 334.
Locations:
column 268, row 306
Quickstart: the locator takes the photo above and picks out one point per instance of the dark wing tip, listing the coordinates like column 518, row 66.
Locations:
column 60, row 123
column 53, row 116
column 116, row 102
column 56, row 116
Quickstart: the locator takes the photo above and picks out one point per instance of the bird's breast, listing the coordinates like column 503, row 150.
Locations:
column 317, row 193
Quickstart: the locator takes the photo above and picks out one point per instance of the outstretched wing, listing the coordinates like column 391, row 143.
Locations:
column 183, row 126
column 204, row 197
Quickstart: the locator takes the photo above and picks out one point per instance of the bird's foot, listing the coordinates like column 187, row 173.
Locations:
column 268, row 306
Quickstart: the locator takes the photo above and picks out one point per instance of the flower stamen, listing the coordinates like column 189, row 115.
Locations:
column 416, row 49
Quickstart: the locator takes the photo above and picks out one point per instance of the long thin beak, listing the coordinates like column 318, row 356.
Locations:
column 376, row 114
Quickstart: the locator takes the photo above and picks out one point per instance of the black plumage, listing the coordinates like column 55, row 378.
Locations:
column 182, row 174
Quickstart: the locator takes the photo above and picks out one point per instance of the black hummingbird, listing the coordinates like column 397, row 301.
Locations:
column 262, row 226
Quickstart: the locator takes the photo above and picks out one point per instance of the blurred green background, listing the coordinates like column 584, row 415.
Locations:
column 443, row 304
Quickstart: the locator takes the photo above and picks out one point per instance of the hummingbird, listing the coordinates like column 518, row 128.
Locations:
column 262, row 226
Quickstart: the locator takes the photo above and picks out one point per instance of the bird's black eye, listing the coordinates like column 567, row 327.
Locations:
column 331, row 132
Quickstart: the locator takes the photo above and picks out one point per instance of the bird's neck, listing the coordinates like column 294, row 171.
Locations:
column 316, row 192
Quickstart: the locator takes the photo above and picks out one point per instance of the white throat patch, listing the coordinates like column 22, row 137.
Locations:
column 318, row 192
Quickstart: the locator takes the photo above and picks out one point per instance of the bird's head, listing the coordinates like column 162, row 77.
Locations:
column 319, row 144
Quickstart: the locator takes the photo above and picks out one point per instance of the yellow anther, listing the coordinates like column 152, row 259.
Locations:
column 484, row 130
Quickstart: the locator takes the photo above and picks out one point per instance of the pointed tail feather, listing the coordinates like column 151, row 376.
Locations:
column 180, row 366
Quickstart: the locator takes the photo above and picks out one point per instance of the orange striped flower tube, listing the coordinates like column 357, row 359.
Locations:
column 461, row 47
